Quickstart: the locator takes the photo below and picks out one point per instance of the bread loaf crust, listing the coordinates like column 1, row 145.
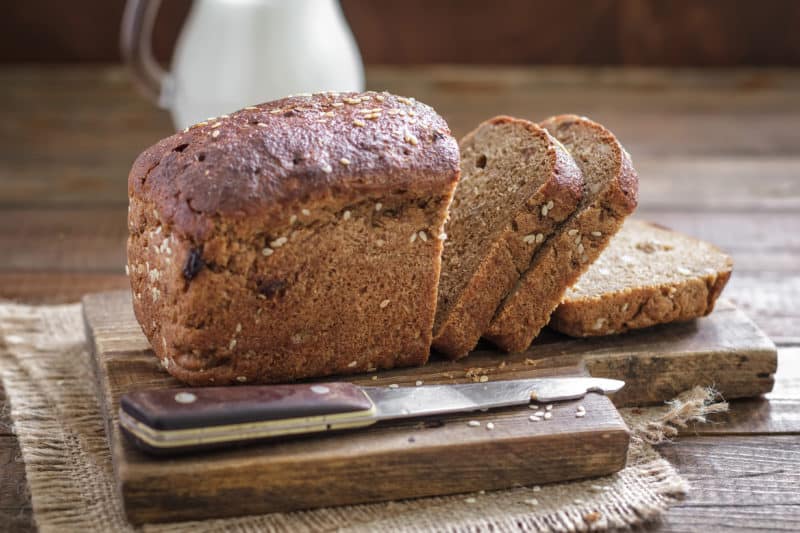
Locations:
column 264, row 160
column 561, row 260
column 281, row 247
column 460, row 328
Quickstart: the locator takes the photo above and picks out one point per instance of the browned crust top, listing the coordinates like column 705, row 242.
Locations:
column 626, row 192
column 265, row 158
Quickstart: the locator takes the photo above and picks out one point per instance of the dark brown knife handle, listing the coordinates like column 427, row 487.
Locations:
column 195, row 408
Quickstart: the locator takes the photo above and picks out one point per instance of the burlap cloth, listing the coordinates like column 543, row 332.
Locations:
column 47, row 375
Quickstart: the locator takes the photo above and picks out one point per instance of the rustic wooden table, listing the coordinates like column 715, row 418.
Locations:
column 718, row 153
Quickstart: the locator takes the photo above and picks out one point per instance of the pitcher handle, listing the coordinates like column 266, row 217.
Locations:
column 137, row 51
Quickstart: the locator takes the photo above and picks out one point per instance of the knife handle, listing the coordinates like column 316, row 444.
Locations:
column 168, row 421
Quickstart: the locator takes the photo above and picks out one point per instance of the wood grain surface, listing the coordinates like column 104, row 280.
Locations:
column 719, row 158
column 392, row 460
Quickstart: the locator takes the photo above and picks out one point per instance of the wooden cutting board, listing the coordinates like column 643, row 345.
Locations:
column 431, row 456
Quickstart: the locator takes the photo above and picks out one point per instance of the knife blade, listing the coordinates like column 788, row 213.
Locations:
column 169, row 421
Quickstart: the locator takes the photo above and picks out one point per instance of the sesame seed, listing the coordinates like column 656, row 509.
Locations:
column 578, row 239
column 384, row 304
column 548, row 416
column 483, row 379
column 232, row 344
column 489, row 426
column 418, row 383
column 393, row 112
column 549, row 407
column 344, row 161
column 404, row 100
column 277, row 243
column 267, row 252
column 305, row 212
column 326, row 168
column 329, row 114
column 597, row 234
column 374, row 378
column 572, row 232
column 378, row 206
column 580, row 248
column 538, row 413
column 532, row 501
column 533, row 406
column 292, row 219
column 358, row 123
column 544, row 210
column 217, row 125
column 473, row 423
column 580, row 408
column 372, row 116
column 275, row 111
column 394, row 386
column 413, row 237
column 261, row 125
column 470, row 500
column 534, row 418
column 684, row 271
column 251, row 107
column 584, row 258
column 550, row 205
column 409, row 138
column 423, row 236
column 578, row 501
column 346, row 215
column 539, row 237
column 127, row 271
column 165, row 362
column 215, row 134
column 580, row 414
column 352, row 101
column 379, row 97
column 379, row 242
column 624, row 307
column 442, row 236
column 536, row 488
column 352, row 364
column 241, row 379
column 238, row 328
column 337, row 104
column 529, row 239
column 599, row 323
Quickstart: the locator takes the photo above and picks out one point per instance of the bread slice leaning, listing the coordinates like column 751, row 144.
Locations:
column 610, row 194
column 517, row 185
column 648, row 275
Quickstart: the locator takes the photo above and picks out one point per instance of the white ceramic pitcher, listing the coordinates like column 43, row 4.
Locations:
column 235, row 53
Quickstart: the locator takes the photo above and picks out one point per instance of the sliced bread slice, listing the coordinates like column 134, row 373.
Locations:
column 610, row 195
column 648, row 275
column 517, row 184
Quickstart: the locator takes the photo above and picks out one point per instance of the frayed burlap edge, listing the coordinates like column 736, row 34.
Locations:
column 46, row 372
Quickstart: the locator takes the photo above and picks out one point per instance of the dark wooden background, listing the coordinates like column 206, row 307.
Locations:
column 545, row 32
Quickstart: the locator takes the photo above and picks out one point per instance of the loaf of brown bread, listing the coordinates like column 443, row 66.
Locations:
column 648, row 275
column 517, row 184
column 610, row 195
column 292, row 239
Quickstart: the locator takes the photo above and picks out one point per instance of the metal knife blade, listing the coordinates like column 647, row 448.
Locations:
column 428, row 400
